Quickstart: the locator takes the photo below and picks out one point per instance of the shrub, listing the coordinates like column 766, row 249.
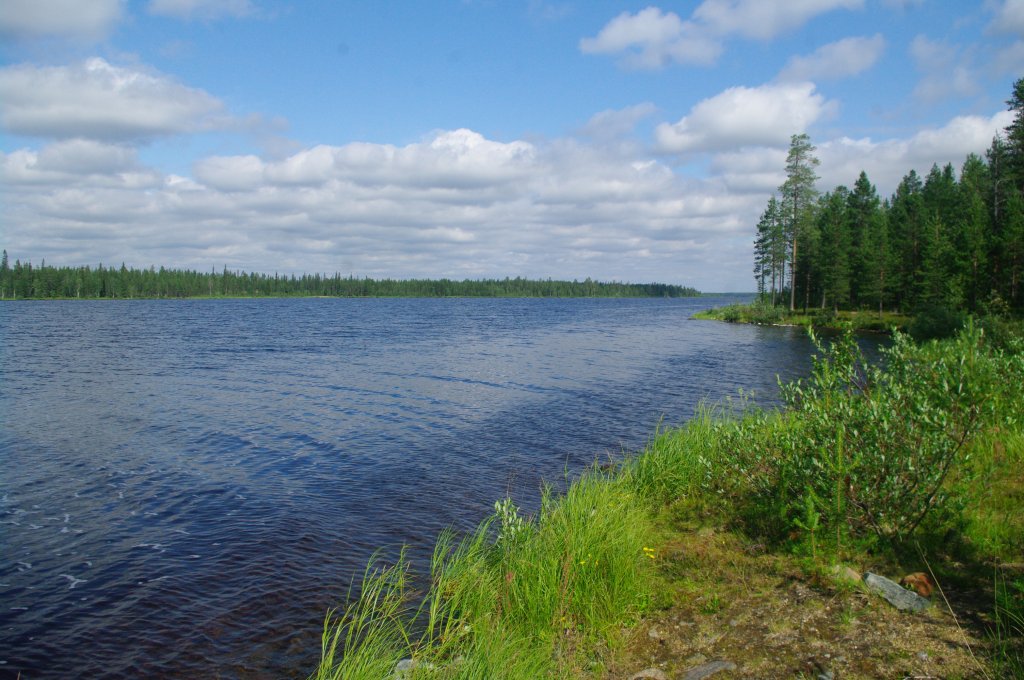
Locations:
column 936, row 323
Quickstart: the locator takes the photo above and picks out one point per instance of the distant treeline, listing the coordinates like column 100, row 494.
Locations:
column 24, row 281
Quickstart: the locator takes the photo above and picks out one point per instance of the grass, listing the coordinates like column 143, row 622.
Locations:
column 534, row 601
column 726, row 531
column 769, row 315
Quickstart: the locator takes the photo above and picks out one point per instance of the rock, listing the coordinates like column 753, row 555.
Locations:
column 654, row 634
column 708, row 669
column 403, row 668
column 826, row 675
column 650, row 674
column 919, row 583
column 844, row 573
column 895, row 594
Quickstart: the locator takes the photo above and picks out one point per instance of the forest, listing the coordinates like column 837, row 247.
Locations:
column 942, row 241
column 24, row 281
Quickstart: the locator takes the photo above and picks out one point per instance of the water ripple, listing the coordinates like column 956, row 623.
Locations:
column 190, row 485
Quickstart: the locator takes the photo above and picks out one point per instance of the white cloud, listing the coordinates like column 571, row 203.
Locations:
column 453, row 204
column 742, row 116
column 1010, row 59
column 652, row 38
column 764, row 18
column 206, row 10
column 945, row 73
column 846, row 57
column 74, row 161
column 75, row 19
column 97, row 100
column 887, row 161
column 1009, row 17
column 759, row 170
column 615, row 123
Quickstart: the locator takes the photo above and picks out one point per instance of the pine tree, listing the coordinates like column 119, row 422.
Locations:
column 1015, row 134
column 834, row 249
column 1011, row 245
column 770, row 250
column 975, row 232
column 798, row 199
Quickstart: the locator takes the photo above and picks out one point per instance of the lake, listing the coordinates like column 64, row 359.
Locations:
column 188, row 486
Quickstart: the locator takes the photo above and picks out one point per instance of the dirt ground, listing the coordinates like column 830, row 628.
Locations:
column 772, row 617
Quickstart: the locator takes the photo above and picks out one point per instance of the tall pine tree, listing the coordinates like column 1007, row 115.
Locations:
column 798, row 199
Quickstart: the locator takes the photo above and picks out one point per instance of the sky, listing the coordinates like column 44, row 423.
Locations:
column 622, row 141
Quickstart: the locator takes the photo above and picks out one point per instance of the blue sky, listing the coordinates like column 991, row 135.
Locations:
column 470, row 138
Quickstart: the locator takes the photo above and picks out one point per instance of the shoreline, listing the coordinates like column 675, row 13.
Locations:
column 758, row 315
column 697, row 555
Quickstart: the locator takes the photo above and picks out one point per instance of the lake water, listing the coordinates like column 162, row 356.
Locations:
column 187, row 486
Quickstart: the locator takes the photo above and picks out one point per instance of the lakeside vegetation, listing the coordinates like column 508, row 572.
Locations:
column 912, row 465
column 23, row 281
column 766, row 314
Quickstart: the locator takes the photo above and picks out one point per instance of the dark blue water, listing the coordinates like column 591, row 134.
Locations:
column 187, row 486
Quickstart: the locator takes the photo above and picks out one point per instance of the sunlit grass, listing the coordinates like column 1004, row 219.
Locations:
column 566, row 582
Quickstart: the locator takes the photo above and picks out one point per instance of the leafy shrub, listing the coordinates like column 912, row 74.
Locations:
column 936, row 323
column 764, row 312
column 865, row 450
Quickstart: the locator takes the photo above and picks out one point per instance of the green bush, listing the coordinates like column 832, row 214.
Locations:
column 861, row 451
column 936, row 323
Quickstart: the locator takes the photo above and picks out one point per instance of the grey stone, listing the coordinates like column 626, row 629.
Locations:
column 895, row 594
column 650, row 674
column 654, row 634
column 843, row 573
column 826, row 675
column 403, row 668
column 708, row 669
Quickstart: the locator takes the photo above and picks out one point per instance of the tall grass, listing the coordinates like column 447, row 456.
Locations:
column 1008, row 632
column 506, row 605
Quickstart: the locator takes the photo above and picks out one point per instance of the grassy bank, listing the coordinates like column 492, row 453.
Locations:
column 768, row 315
column 720, row 541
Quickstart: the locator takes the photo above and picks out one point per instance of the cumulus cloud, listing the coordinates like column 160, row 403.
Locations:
column 454, row 204
column 745, row 116
column 887, row 161
column 97, row 100
column 764, row 19
column 840, row 59
column 651, row 39
column 60, row 18
column 73, row 161
column 206, row 10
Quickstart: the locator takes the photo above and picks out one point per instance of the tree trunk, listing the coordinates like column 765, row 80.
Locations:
column 792, row 276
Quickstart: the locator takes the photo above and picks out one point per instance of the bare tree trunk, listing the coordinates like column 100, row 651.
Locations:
column 792, row 276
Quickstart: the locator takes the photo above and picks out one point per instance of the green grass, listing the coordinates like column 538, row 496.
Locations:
column 768, row 315
column 521, row 605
